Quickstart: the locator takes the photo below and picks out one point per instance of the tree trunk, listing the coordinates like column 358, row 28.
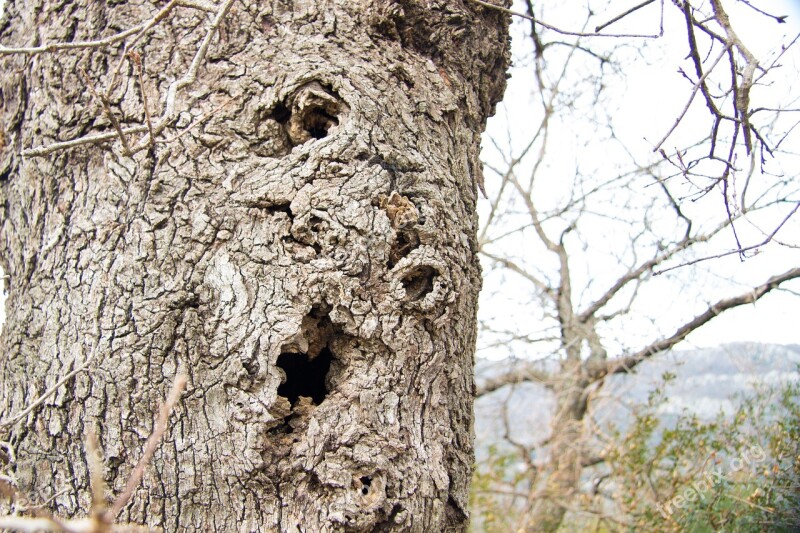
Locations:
column 562, row 474
column 299, row 240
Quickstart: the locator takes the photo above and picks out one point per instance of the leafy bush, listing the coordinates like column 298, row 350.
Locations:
column 734, row 473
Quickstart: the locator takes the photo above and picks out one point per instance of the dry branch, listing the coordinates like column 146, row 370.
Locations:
column 568, row 32
column 99, row 43
column 169, row 112
column 36, row 403
column 100, row 519
column 626, row 364
column 151, row 445
column 524, row 372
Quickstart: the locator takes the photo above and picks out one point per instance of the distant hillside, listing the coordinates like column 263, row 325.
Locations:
column 706, row 380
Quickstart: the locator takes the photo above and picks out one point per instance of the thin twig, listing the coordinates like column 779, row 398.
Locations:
column 159, row 427
column 198, row 4
column 100, row 43
column 728, row 203
column 199, row 120
column 780, row 19
column 694, row 53
column 697, row 86
column 94, row 460
column 169, row 109
column 32, row 525
column 112, row 83
column 625, row 364
column 559, row 30
column 601, row 27
column 137, row 63
column 190, row 76
column 738, row 250
column 109, row 114
column 78, row 525
column 101, row 520
column 80, row 141
column 36, row 403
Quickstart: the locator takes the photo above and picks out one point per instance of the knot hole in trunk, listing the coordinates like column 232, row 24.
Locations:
column 307, row 361
column 305, row 375
column 311, row 112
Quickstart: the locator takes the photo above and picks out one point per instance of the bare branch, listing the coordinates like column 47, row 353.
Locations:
column 623, row 15
column 80, row 141
column 626, row 364
column 742, row 91
column 511, row 265
column 780, row 19
column 700, row 84
column 99, row 43
column 101, row 520
column 561, row 31
column 738, row 250
column 35, row 525
column 137, row 62
column 524, row 372
column 197, row 60
column 167, row 116
column 109, row 114
column 94, row 460
column 38, row 401
column 151, row 445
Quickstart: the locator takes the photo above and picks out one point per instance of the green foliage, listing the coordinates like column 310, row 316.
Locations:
column 497, row 485
column 734, row 473
column 780, row 498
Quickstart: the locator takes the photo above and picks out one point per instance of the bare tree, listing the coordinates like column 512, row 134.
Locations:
column 276, row 199
column 588, row 243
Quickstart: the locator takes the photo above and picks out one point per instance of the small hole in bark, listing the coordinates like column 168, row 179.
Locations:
column 317, row 122
column 267, row 23
column 281, row 429
column 251, row 366
column 419, row 282
column 316, row 224
column 280, row 113
column 305, row 376
column 309, row 113
column 366, row 482
column 280, row 208
column 404, row 244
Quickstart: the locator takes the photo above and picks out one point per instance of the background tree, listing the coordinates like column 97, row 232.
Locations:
column 275, row 199
column 587, row 222
column 735, row 472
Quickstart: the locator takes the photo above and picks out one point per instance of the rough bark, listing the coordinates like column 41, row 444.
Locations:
column 300, row 241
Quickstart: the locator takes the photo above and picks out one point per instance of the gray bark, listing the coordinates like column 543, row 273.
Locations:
column 300, row 241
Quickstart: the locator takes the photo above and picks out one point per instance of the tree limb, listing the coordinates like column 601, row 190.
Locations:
column 520, row 374
column 626, row 364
